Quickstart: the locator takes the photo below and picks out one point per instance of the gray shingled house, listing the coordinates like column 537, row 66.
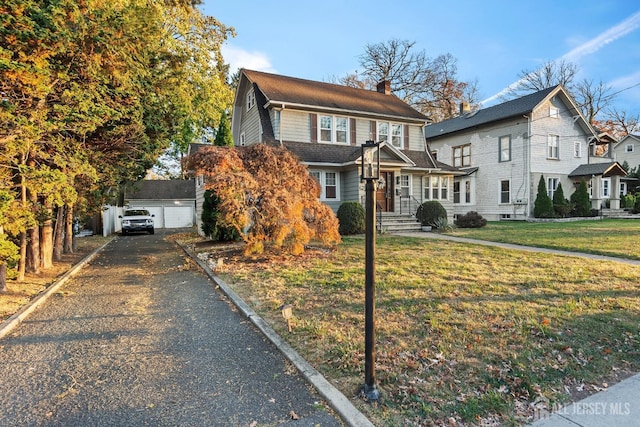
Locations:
column 325, row 124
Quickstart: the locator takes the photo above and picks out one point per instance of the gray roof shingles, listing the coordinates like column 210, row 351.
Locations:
column 320, row 95
column 162, row 190
column 513, row 108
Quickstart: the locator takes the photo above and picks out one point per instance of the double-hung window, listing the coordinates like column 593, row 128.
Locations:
column 577, row 149
column 628, row 148
column 553, row 147
column 390, row 132
column 342, row 130
column 251, row 100
column 329, row 184
column 504, row 148
column 396, row 135
column 462, row 156
column 326, row 128
column 552, row 186
column 505, row 191
column 436, row 188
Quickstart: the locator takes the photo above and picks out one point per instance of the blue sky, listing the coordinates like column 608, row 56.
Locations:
column 492, row 40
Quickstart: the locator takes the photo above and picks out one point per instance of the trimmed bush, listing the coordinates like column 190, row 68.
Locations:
column 351, row 218
column 580, row 201
column 471, row 219
column 431, row 213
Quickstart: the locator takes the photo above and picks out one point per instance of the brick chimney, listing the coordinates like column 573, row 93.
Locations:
column 464, row 108
column 384, row 87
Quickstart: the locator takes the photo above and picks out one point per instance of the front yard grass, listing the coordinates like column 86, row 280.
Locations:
column 477, row 334
column 611, row 237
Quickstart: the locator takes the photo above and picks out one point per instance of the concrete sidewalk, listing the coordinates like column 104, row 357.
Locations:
column 618, row 405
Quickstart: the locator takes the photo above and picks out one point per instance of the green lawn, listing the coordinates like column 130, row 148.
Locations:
column 612, row 237
column 471, row 332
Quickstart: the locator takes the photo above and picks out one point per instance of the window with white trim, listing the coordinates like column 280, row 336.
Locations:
column 436, row 188
column 552, row 186
column 458, row 195
column 333, row 129
column 553, row 146
column 390, row 131
column 242, row 139
column 629, row 148
column 405, row 185
column 606, row 188
column 554, row 112
column 504, row 148
column 329, row 184
column 577, row 149
column 462, row 155
column 505, row 191
column 251, row 100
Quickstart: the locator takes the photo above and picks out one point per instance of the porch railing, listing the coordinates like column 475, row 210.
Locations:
column 409, row 204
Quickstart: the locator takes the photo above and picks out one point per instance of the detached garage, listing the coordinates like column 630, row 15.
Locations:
column 172, row 202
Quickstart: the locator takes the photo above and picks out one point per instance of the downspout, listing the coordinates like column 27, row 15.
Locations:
column 527, row 168
column 280, row 125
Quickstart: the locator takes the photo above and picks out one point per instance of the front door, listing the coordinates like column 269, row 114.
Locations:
column 384, row 195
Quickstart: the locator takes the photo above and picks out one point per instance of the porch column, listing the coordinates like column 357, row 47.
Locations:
column 615, row 193
column 596, row 189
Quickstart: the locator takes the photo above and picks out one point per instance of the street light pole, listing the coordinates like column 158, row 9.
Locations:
column 370, row 174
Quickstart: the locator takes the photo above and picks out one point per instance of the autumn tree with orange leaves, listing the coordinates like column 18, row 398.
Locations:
column 268, row 196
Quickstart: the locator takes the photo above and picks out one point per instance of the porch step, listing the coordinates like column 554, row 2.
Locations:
column 392, row 222
column 617, row 213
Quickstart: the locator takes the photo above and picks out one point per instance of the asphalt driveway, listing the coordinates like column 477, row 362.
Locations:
column 137, row 339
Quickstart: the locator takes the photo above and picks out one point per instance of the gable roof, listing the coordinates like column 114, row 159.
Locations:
column 598, row 169
column 319, row 96
column 513, row 108
column 625, row 140
column 161, row 190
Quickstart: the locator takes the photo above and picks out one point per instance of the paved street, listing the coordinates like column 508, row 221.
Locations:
column 136, row 339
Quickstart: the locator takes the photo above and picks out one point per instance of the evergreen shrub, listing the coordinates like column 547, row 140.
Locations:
column 351, row 218
column 431, row 213
column 471, row 219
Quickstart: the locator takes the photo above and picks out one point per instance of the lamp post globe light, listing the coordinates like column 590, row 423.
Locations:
column 370, row 173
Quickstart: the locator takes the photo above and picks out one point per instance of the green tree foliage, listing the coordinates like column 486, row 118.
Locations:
column 561, row 206
column 431, row 213
column 92, row 93
column 267, row 195
column 543, row 205
column 223, row 135
column 580, row 200
column 351, row 216
column 211, row 226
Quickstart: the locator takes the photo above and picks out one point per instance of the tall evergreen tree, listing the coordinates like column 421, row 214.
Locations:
column 561, row 206
column 223, row 135
column 543, row 205
column 580, row 200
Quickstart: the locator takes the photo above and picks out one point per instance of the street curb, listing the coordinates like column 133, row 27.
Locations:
column 12, row 322
column 338, row 401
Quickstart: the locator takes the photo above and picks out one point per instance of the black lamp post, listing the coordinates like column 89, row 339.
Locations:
column 370, row 159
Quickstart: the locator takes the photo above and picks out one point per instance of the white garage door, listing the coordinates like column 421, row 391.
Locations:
column 178, row 216
column 156, row 211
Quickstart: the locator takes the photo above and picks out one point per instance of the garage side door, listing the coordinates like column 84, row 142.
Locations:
column 178, row 216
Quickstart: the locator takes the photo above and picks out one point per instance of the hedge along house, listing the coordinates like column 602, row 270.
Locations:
column 505, row 149
column 325, row 124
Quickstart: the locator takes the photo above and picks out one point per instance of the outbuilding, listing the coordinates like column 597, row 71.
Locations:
column 172, row 202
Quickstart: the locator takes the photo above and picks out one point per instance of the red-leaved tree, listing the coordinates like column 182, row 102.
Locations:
column 268, row 196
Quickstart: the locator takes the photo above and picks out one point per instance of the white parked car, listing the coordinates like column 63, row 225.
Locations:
column 137, row 220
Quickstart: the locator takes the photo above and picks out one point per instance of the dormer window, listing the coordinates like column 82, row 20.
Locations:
column 251, row 100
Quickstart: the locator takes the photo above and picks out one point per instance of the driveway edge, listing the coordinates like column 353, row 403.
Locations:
column 338, row 401
column 8, row 325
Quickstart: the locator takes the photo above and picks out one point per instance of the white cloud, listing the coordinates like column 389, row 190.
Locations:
column 240, row 58
column 624, row 82
column 592, row 46
column 612, row 34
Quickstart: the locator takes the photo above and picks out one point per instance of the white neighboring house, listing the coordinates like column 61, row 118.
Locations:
column 506, row 148
column 172, row 202
column 628, row 150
